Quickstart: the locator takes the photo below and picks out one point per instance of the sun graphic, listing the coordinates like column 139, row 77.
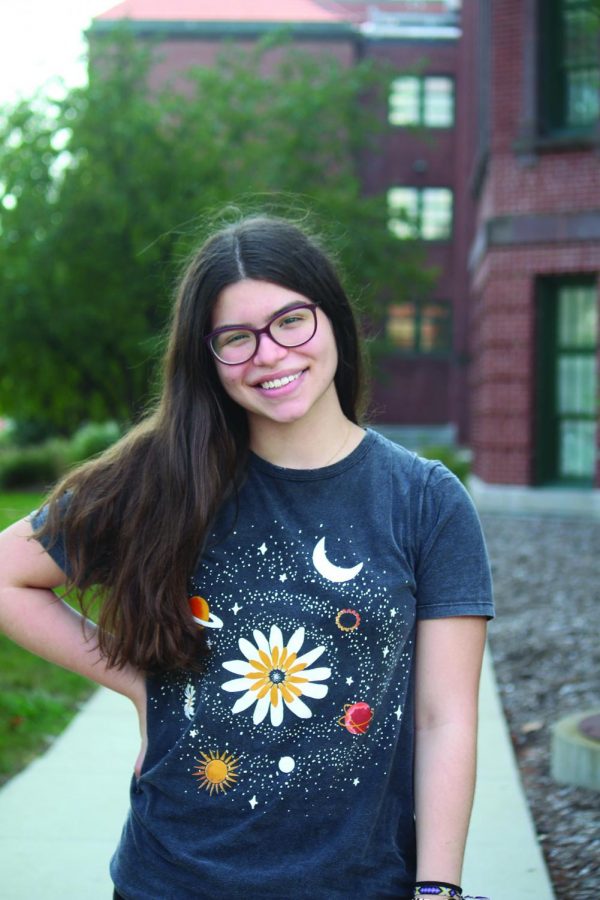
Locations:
column 216, row 773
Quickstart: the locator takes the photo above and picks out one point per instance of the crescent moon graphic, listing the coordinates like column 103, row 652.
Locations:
column 328, row 570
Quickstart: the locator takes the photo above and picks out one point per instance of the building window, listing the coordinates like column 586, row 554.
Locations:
column 570, row 65
column 567, row 380
column 426, row 101
column 420, row 326
column 420, row 212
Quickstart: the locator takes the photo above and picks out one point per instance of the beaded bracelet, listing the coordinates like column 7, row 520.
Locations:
column 437, row 889
column 442, row 889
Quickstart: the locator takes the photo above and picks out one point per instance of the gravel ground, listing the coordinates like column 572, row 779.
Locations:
column 545, row 648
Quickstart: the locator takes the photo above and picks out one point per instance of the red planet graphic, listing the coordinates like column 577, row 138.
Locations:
column 357, row 717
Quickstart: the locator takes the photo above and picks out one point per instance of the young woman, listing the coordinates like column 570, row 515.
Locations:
column 295, row 605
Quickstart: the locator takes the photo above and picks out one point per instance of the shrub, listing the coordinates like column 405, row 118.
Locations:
column 33, row 467
column 40, row 465
column 455, row 459
column 31, row 432
column 93, row 438
column 7, row 433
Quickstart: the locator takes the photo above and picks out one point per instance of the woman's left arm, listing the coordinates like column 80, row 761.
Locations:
column 448, row 665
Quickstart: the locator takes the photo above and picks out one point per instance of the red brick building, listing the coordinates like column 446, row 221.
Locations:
column 417, row 166
column 535, row 257
column 501, row 178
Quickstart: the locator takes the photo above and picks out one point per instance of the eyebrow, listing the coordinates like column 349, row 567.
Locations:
column 273, row 315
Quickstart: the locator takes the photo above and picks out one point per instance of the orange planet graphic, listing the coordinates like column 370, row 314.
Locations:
column 202, row 614
column 357, row 717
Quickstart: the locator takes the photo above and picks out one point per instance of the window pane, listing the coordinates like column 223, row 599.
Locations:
column 583, row 96
column 436, row 216
column 576, row 384
column 580, row 65
column 401, row 326
column 581, row 36
column 577, row 449
column 419, row 326
column 403, row 211
column 434, row 336
column 577, row 317
column 439, row 102
column 405, row 101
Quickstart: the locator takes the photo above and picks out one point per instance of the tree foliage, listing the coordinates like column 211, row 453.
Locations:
column 103, row 195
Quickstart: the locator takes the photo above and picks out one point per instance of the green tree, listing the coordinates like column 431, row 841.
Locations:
column 103, row 196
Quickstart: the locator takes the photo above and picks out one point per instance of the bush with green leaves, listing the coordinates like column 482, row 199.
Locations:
column 33, row 467
column 7, row 432
column 93, row 438
column 40, row 465
column 455, row 459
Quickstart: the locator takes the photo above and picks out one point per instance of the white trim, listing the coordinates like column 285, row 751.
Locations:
column 514, row 498
column 421, row 32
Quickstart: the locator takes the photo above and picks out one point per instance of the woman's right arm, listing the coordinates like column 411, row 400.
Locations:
column 34, row 617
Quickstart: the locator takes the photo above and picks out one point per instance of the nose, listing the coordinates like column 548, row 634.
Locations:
column 268, row 351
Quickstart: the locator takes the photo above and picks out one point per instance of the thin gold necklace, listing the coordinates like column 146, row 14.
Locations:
column 340, row 448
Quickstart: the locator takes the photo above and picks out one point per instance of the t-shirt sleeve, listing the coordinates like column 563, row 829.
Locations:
column 55, row 547
column 452, row 568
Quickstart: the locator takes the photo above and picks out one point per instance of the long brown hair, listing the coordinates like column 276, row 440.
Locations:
column 135, row 520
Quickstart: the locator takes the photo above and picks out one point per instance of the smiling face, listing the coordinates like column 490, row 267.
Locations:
column 279, row 384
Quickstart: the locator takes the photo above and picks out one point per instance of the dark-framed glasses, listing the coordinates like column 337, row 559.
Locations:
column 236, row 344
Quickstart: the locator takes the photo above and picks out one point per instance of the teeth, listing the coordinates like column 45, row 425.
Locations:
column 279, row 382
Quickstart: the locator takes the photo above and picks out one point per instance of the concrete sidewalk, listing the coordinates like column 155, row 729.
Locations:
column 61, row 818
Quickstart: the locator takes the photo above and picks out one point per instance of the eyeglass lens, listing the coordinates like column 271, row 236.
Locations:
column 290, row 329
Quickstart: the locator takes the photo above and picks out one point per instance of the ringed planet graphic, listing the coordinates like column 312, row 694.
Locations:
column 330, row 571
column 357, row 717
column 202, row 614
column 216, row 772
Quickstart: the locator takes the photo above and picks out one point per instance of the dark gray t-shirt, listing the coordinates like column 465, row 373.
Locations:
column 285, row 771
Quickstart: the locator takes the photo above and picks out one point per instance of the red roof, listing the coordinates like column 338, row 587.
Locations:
column 222, row 11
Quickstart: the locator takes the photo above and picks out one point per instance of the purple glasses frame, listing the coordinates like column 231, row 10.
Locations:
column 258, row 332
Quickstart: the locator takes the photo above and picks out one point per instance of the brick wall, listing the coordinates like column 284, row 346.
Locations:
column 174, row 56
column 421, row 390
column 539, row 189
column 503, row 375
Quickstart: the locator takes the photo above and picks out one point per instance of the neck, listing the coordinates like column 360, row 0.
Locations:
column 304, row 444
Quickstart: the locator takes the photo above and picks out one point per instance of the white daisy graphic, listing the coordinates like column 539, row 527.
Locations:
column 274, row 676
column 189, row 703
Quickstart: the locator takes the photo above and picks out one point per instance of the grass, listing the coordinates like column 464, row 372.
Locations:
column 37, row 699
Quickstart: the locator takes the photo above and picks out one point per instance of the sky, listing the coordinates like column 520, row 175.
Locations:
column 42, row 40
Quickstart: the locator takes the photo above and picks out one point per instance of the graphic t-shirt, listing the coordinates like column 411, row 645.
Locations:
column 285, row 769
